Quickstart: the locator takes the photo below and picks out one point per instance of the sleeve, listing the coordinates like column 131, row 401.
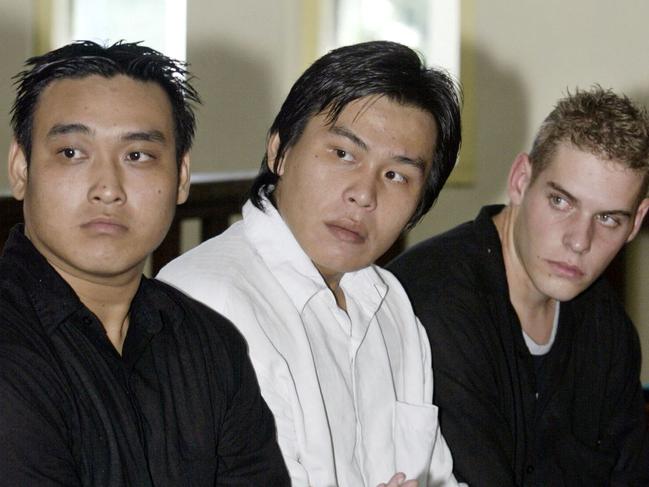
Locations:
column 617, row 452
column 248, row 451
column 466, row 392
column 466, row 388
column 235, row 305
column 34, row 450
column 626, row 430
column 286, row 434
column 441, row 465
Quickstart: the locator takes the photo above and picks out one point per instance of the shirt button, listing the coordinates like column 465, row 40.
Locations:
column 86, row 321
column 530, row 469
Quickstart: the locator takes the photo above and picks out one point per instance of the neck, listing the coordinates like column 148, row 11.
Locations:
column 109, row 301
column 333, row 283
column 535, row 310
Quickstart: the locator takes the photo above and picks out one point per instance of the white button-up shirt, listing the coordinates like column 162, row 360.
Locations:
column 351, row 392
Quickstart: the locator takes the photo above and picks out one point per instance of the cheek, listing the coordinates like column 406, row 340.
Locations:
column 400, row 203
column 157, row 184
column 53, row 196
column 606, row 248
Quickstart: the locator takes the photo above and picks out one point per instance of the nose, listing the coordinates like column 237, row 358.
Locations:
column 579, row 235
column 107, row 186
column 362, row 191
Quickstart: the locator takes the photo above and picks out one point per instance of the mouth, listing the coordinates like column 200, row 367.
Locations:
column 347, row 231
column 563, row 269
column 104, row 226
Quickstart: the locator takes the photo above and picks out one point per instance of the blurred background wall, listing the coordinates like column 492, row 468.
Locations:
column 518, row 58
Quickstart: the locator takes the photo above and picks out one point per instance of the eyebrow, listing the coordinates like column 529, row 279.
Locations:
column 344, row 132
column 147, row 136
column 573, row 199
column 419, row 163
column 70, row 128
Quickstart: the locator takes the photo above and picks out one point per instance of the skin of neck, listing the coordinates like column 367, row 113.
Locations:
column 535, row 310
column 333, row 283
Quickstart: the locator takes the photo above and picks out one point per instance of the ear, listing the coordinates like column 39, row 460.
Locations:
column 520, row 176
column 272, row 147
column 17, row 170
column 639, row 217
column 183, row 179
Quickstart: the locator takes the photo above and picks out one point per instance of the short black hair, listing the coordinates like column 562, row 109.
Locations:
column 376, row 68
column 85, row 58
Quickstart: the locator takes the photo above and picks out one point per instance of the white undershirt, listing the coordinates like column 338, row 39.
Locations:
column 535, row 348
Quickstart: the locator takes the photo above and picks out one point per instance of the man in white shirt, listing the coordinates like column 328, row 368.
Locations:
column 358, row 152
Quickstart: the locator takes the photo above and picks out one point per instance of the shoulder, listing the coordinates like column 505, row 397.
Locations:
column 216, row 271
column 443, row 256
column 444, row 270
column 396, row 295
column 396, row 309
column 600, row 308
column 199, row 322
column 214, row 353
column 20, row 327
column 437, row 246
column 30, row 368
column 396, row 299
column 454, row 281
column 228, row 250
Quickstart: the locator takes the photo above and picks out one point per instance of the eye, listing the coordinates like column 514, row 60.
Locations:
column 344, row 155
column 70, row 153
column 558, row 202
column 608, row 220
column 138, row 156
column 395, row 176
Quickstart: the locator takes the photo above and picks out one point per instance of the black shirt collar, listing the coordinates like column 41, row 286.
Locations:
column 493, row 270
column 54, row 300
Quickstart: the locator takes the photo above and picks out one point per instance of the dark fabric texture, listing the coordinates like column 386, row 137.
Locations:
column 587, row 426
column 180, row 407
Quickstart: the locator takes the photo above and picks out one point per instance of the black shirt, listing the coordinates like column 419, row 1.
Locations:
column 587, row 426
column 179, row 407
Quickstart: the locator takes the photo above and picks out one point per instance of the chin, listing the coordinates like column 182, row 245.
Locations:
column 343, row 264
column 565, row 293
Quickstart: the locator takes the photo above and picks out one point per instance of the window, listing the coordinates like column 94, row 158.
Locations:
column 430, row 26
column 160, row 24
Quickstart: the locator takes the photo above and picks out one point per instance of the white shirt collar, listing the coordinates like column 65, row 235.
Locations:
column 293, row 268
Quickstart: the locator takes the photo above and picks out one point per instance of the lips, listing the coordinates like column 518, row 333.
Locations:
column 347, row 231
column 569, row 271
column 104, row 225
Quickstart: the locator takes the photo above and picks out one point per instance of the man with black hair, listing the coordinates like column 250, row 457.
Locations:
column 536, row 363
column 359, row 151
column 108, row 378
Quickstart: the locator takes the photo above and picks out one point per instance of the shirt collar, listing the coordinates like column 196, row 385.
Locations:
column 493, row 270
column 52, row 297
column 54, row 300
column 292, row 267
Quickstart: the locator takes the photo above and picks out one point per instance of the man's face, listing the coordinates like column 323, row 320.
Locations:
column 347, row 190
column 573, row 219
column 103, row 181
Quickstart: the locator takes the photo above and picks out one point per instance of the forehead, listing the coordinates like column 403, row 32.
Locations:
column 593, row 178
column 385, row 122
column 116, row 103
column 378, row 106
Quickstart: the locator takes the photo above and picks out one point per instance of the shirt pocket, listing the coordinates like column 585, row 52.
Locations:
column 415, row 435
